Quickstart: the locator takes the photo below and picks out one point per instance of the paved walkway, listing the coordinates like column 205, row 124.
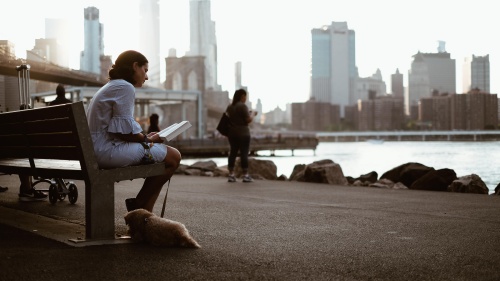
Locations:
column 265, row 230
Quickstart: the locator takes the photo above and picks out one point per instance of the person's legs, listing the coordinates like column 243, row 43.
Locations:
column 244, row 150
column 27, row 192
column 233, row 152
column 25, row 184
column 152, row 186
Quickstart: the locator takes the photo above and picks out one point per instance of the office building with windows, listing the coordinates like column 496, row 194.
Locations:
column 90, row 57
column 333, row 64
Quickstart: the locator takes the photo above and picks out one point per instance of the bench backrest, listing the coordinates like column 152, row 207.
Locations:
column 55, row 132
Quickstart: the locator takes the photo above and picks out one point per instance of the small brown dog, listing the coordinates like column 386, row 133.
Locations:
column 148, row 227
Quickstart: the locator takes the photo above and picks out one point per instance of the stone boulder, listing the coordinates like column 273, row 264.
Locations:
column 297, row 169
column 435, row 180
column 497, row 190
column 386, row 183
column 365, row 179
column 258, row 169
column 469, row 184
column 322, row 171
column 181, row 169
column 209, row 165
column 407, row 173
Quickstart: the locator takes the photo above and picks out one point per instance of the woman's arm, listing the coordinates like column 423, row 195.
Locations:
column 251, row 115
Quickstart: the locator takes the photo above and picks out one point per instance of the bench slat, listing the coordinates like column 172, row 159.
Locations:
column 42, row 152
column 33, row 127
column 45, row 168
column 26, row 115
column 52, row 139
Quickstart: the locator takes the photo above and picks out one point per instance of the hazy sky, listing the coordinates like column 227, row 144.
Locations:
column 272, row 38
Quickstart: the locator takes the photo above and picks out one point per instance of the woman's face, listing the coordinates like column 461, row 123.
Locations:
column 140, row 74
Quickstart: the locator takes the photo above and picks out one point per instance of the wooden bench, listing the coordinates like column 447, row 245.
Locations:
column 55, row 142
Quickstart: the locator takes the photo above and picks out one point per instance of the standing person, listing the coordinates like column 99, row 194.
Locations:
column 153, row 123
column 118, row 138
column 239, row 134
column 61, row 96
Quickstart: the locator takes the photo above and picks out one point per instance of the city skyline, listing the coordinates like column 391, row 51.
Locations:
column 272, row 39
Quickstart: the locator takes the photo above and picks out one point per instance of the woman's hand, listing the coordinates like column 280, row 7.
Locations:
column 154, row 137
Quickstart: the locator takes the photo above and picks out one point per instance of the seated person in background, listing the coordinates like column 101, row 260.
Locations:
column 61, row 96
column 153, row 123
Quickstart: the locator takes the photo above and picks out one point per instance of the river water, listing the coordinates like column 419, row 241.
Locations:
column 357, row 158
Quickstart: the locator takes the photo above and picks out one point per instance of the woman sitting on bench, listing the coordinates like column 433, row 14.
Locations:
column 118, row 138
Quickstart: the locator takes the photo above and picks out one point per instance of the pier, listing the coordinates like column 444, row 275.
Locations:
column 457, row 135
column 220, row 146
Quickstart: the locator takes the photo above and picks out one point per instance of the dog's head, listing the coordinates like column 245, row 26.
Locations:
column 136, row 221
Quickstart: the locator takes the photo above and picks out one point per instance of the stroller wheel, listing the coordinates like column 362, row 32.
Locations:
column 73, row 193
column 53, row 194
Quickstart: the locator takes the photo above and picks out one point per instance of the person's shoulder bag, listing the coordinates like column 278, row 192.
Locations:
column 224, row 124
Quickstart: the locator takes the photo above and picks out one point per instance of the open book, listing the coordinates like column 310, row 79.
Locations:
column 174, row 130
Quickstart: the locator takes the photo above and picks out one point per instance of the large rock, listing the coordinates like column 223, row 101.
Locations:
column 469, row 184
column 209, row 165
column 259, row 169
column 497, row 190
column 322, row 171
column 407, row 173
column 298, row 172
column 435, row 180
column 363, row 180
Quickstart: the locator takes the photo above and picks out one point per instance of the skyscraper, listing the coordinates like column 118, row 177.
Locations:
column 431, row 73
column 203, row 40
column 397, row 87
column 333, row 64
column 480, row 73
column 149, row 41
column 90, row 57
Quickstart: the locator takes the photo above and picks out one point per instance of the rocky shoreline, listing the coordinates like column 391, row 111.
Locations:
column 411, row 175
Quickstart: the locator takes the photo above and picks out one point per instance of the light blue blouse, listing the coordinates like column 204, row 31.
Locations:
column 111, row 111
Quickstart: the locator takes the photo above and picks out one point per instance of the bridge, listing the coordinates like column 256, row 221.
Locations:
column 49, row 72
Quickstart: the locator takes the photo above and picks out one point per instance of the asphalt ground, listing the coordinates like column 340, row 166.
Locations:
column 265, row 230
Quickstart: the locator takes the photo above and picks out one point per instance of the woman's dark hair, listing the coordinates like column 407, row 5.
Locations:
column 123, row 67
column 237, row 95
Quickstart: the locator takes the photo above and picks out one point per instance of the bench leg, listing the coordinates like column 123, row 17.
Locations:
column 100, row 210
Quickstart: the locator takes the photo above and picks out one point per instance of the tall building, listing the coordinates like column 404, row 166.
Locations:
column 480, row 73
column 364, row 87
column 397, row 87
column 237, row 75
column 315, row 116
column 466, row 75
column 333, row 64
column 45, row 50
column 149, row 41
column 8, row 84
column 474, row 111
column 203, row 40
column 431, row 73
column 59, row 30
column 7, row 49
column 90, row 57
